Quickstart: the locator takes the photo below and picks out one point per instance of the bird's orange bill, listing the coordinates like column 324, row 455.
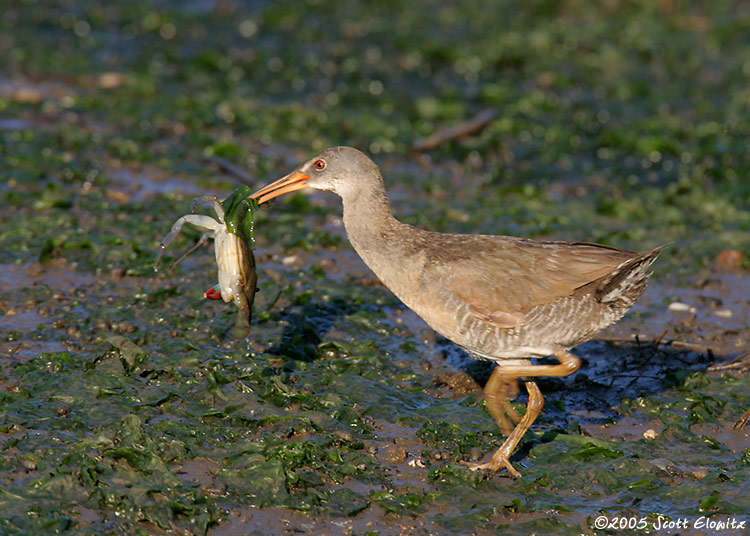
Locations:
column 296, row 180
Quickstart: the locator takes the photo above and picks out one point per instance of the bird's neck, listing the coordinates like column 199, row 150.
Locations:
column 372, row 229
column 387, row 246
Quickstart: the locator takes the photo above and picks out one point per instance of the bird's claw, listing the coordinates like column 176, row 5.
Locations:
column 494, row 465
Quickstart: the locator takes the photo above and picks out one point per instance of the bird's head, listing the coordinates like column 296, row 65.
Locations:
column 341, row 170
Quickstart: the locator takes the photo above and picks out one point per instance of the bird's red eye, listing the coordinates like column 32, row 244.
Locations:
column 320, row 165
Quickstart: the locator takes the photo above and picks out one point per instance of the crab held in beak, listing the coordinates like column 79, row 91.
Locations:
column 232, row 232
column 296, row 180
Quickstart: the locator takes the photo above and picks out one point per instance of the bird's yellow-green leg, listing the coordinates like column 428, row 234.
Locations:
column 498, row 392
column 497, row 404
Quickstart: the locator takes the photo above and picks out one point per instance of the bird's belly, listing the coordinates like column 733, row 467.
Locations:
column 549, row 328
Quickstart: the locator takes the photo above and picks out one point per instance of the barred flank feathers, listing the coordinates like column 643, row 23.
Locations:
column 629, row 280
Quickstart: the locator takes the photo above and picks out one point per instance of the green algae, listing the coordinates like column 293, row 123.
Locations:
column 239, row 212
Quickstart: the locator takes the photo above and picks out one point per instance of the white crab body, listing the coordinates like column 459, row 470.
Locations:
column 234, row 264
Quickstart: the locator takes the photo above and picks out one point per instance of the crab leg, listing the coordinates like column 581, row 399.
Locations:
column 242, row 322
column 203, row 239
column 214, row 293
column 205, row 223
column 215, row 204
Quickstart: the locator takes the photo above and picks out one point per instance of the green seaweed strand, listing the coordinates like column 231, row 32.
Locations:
column 238, row 214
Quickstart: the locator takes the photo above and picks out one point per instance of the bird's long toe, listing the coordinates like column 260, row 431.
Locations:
column 494, row 465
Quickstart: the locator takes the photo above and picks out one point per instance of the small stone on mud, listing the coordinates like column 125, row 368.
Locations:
column 23, row 93
column 274, row 275
column 700, row 474
column 74, row 331
column 216, row 489
column 416, row 462
column 329, row 265
column 28, row 464
column 395, row 454
column 475, row 454
column 729, row 259
column 124, row 327
column 650, row 434
column 110, row 80
column 723, row 313
column 679, row 307
column 118, row 196
column 343, row 434
column 458, row 382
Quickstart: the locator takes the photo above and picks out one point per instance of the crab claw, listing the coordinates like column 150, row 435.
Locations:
column 213, row 293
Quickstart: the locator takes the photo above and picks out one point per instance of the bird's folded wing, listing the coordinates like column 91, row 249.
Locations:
column 504, row 281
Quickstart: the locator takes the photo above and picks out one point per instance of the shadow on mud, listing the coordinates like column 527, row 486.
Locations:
column 307, row 325
column 610, row 373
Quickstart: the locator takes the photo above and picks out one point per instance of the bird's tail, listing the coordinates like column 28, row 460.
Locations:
column 629, row 280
